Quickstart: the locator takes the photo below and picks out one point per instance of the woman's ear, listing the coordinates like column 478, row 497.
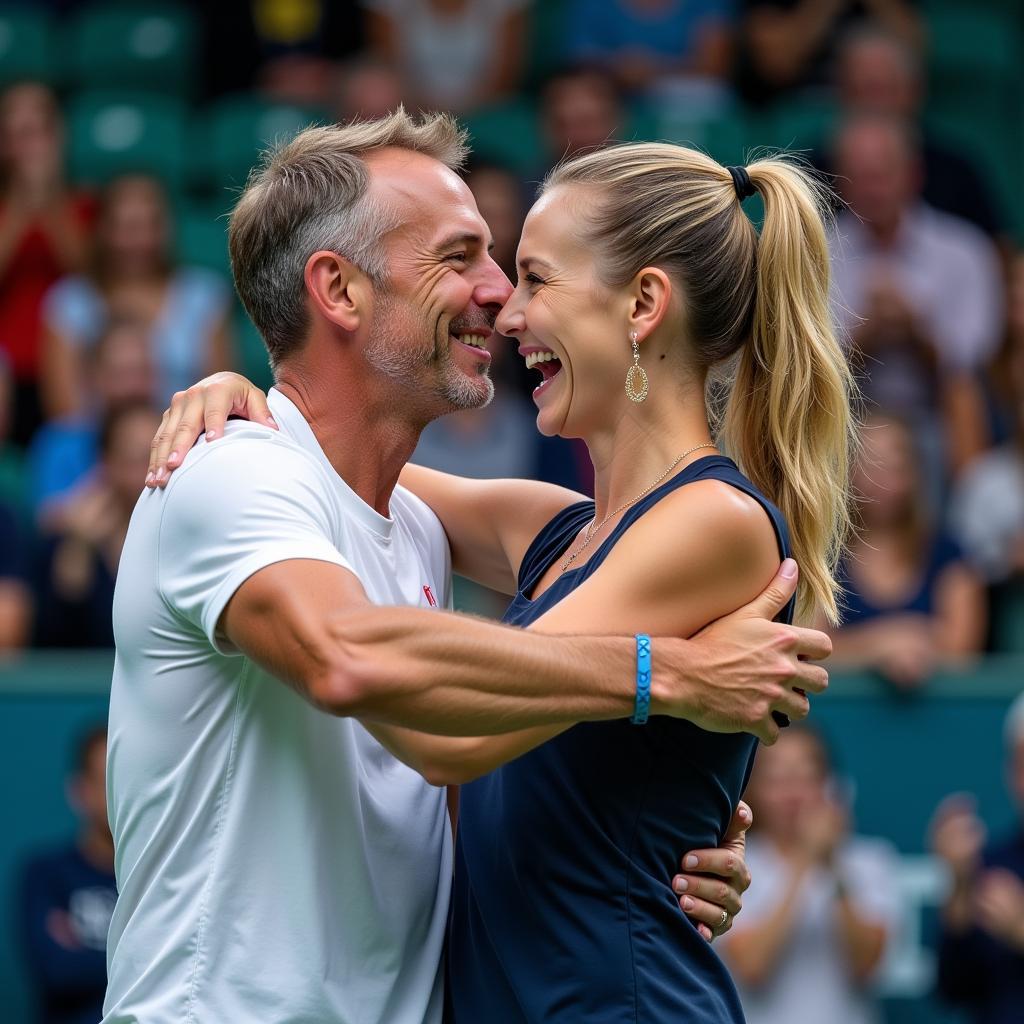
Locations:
column 650, row 298
column 337, row 289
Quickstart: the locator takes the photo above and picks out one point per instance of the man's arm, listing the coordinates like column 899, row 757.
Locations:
column 310, row 624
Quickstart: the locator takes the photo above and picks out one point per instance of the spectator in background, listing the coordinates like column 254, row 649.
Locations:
column 987, row 512
column 918, row 293
column 787, row 47
column 911, row 602
column 15, row 595
column 68, row 896
column 581, row 110
column 79, row 559
column 366, row 89
column 663, row 49
column 43, row 232
column 65, row 451
column 822, row 905
column 453, row 54
column 981, row 955
column 132, row 274
column 879, row 73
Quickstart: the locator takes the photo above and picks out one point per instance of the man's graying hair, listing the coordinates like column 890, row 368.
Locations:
column 310, row 194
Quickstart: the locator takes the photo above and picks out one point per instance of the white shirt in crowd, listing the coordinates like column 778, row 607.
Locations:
column 811, row 983
column 274, row 863
column 947, row 269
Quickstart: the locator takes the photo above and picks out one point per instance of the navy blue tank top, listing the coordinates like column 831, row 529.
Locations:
column 562, row 908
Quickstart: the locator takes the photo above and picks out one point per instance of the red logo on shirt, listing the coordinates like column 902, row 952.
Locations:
column 430, row 596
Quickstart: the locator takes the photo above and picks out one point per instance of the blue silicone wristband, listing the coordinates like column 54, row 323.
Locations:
column 643, row 679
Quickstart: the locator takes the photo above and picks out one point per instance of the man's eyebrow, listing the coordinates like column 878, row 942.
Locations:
column 463, row 238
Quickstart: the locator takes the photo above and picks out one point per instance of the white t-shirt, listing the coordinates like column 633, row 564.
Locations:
column 811, row 982
column 274, row 863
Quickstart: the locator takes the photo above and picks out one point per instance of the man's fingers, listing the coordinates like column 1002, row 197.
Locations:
column 811, row 644
column 701, row 912
column 713, row 891
column 811, row 678
column 794, row 705
column 776, row 595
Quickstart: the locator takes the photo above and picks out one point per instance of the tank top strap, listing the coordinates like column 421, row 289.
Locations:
column 551, row 542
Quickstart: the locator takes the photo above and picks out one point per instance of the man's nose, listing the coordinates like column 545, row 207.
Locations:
column 493, row 288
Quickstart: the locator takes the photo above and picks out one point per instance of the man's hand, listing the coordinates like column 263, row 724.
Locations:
column 957, row 836
column 714, row 881
column 203, row 408
column 746, row 667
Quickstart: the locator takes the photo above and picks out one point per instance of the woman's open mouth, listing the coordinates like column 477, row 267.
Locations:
column 546, row 363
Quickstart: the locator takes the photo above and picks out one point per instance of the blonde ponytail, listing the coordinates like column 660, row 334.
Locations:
column 788, row 421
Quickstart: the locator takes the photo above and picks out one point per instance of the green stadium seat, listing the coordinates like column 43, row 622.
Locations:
column 115, row 133
column 509, row 134
column 798, row 126
column 26, row 45
column 135, row 46
column 230, row 135
column 202, row 237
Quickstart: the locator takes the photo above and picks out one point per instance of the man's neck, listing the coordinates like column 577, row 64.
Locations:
column 367, row 438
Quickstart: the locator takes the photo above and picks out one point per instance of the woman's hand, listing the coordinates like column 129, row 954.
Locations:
column 714, row 881
column 205, row 406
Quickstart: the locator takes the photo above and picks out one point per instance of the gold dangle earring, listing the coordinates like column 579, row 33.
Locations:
column 636, row 376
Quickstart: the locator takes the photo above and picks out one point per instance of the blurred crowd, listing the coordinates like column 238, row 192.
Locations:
column 115, row 292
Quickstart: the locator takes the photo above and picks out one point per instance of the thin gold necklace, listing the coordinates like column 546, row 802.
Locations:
column 592, row 530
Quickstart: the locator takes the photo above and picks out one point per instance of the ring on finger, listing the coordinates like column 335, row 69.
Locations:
column 721, row 924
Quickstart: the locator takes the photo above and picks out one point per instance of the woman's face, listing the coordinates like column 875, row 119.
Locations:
column 561, row 313
column 30, row 135
column 134, row 226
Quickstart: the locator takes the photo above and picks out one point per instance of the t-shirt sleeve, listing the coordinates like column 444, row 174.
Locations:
column 242, row 505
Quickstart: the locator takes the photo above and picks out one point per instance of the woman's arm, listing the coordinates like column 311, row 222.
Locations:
column 490, row 523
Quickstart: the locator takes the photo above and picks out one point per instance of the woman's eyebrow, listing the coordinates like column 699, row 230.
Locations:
column 525, row 264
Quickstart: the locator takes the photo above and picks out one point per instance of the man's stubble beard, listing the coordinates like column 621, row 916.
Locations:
column 431, row 379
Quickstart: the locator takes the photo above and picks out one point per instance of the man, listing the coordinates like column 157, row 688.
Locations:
column 275, row 862
column 68, row 896
column 918, row 292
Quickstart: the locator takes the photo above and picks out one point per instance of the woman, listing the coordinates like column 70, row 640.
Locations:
column 563, row 908
column 185, row 309
column 911, row 601
column 43, row 234
column 826, row 905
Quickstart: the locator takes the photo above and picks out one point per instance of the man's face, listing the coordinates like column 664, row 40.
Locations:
column 434, row 316
column 877, row 173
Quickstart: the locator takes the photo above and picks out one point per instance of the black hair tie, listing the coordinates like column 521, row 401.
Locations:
column 742, row 183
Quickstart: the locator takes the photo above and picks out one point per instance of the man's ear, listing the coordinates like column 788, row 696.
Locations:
column 338, row 289
column 650, row 298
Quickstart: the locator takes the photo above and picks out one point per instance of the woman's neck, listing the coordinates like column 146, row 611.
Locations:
column 643, row 443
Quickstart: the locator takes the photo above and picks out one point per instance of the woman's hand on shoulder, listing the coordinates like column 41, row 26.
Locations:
column 203, row 408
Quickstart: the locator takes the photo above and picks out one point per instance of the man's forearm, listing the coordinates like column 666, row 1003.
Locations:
column 460, row 676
